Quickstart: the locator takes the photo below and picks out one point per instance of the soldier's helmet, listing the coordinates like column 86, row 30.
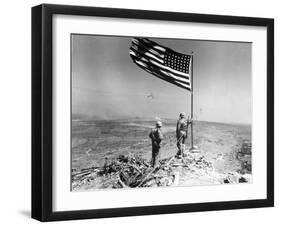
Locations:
column 182, row 115
column 159, row 124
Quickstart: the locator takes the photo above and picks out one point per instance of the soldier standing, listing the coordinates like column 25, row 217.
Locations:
column 181, row 133
column 156, row 137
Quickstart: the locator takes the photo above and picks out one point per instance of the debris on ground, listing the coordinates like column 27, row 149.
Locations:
column 132, row 171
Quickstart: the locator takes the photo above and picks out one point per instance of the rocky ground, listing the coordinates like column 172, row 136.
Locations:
column 131, row 171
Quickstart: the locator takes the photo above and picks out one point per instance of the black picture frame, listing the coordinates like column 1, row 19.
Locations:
column 42, row 106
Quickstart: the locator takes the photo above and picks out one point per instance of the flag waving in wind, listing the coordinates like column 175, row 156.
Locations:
column 162, row 62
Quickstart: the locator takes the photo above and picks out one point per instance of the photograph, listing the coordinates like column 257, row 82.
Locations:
column 154, row 112
column 145, row 112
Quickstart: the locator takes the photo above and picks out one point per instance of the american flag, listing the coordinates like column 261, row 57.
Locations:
column 162, row 62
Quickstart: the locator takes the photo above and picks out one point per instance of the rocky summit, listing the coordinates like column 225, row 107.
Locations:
column 132, row 171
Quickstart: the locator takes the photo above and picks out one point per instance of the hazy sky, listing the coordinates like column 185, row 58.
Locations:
column 106, row 84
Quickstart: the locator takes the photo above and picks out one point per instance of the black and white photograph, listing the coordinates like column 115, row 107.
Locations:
column 145, row 112
column 154, row 112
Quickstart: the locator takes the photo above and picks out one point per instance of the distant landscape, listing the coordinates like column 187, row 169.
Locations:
column 228, row 146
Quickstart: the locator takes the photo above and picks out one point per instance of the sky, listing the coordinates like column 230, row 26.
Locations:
column 106, row 84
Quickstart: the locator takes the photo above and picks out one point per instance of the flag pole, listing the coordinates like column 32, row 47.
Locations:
column 191, row 102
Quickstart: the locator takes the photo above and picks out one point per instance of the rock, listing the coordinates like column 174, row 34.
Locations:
column 248, row 177
column 242, row 180
column 226, row 181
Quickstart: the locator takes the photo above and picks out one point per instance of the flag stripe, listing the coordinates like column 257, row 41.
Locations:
column 145, row 52
column 150, row 50
column 148, row 47
column 154, row 44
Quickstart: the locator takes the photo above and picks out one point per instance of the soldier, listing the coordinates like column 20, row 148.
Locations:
column 181, row 132
column 156, row 137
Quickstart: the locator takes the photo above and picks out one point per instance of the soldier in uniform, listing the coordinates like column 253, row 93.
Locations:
column 181, row 132
column 156, row 137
